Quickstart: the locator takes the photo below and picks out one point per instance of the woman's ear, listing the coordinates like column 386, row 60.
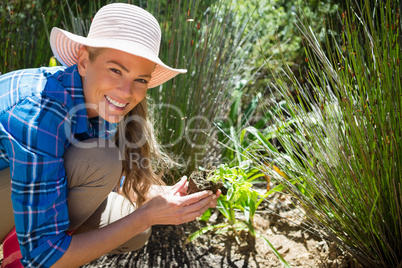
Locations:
column 82, row 61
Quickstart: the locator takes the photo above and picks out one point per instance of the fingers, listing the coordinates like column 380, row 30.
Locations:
column 202, row 205
column 193, row 211
column 178, row 186
column 218, row 193
column 195, row 214
column 215, row 200
column 176, row 209
column 183, row 190
column 195, row 197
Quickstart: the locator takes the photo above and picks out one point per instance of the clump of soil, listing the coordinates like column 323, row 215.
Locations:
column 198, row 181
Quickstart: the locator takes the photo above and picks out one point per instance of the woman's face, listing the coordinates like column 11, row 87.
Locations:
column 114, row 83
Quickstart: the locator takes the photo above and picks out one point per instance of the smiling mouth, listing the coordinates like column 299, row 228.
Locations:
column 116, row 103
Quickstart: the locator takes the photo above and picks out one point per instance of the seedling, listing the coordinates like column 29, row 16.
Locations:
column 240, row 196
column 198, row 181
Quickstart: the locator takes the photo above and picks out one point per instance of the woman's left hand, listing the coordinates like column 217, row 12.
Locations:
column 179, row 189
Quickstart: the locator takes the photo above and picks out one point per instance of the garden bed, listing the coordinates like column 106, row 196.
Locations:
column 276, row 222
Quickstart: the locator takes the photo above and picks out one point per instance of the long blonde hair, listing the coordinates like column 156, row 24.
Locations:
column 146, row 156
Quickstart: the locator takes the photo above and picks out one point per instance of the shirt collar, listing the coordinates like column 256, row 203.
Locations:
column 70, row 80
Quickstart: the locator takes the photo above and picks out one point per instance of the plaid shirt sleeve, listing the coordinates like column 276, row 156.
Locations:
column 35, row 131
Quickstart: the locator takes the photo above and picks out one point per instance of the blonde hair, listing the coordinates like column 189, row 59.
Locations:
column 149, row 157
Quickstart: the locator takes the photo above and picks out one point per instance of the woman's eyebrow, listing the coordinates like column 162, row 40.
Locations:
column 120, row 65
column 125, row 69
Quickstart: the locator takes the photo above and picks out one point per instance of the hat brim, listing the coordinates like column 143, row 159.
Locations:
column 65, row 46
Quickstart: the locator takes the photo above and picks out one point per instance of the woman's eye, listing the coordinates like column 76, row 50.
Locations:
column 115, row 70
column 143, row 81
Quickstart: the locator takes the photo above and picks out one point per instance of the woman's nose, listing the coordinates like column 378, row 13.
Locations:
column 126, row 89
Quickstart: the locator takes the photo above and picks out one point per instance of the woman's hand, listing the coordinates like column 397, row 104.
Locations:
column 179, row 189
column 174, row 206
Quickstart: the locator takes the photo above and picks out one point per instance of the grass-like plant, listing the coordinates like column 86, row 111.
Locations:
column 206, row 38
column 239, row 203
column 344, row 147
column 276, row 25
column 227, row 128
column 24, row 43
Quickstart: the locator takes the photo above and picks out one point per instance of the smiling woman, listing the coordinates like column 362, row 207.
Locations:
column 114, row 81
column 68, row 136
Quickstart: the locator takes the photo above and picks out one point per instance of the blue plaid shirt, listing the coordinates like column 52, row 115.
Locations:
column 42, row 112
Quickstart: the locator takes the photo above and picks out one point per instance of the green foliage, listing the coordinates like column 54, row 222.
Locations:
column 273, row 23
column 25, row 27
column 24, row 41
column 277, row 254
column 229, row 127
column 240, row 196
column 273, row 20
column 343, row 151
column 208, row 40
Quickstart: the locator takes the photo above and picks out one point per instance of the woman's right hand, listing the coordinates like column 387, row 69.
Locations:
column 171, row 208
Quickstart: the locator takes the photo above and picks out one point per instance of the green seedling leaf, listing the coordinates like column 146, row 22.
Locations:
column 204, row 230
column 253, row 197
column 234, row 194
column 279, row 188
column 247, row 213
column 206, row 215
column 257, row 175
column 277, row 254
column 223, row 207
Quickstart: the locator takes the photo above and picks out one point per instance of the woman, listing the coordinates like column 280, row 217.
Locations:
column 55, row 126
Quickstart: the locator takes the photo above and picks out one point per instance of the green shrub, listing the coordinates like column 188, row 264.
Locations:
column 274, row 33
column 24, row 42
column 207, row 38
column 344, row 149
column 273, row 21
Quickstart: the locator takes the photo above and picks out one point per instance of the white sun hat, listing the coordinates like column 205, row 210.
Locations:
column 120, row 26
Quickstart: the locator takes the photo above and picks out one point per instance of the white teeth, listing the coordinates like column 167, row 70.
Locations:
column 115, row 103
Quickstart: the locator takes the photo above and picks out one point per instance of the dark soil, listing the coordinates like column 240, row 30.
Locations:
column 198, row 181
column 277, row 220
